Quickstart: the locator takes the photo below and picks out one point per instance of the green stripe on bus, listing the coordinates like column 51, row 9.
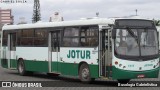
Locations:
column 13, row 63
column 72, row 69
column 37, row 66
column 124, row 74
column 59, row 67
column 4, row 63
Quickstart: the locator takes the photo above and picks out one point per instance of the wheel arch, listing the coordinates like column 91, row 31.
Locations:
column 20, row 59
column 83, row 62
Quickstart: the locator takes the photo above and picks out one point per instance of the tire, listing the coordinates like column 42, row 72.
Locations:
column 124, row 81
column 84, row 74
column 21, row 68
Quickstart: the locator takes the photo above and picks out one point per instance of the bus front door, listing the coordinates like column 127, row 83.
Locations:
column 105, row 53
column 11, row 56
column 54, row 48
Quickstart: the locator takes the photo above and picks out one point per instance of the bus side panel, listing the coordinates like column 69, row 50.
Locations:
column 72, row 69
column 94, row 71
column 38, row 66
column 35, row 58
column 4, row 60
column 69, row 69
column 13, row 63
column 4, row 63
column 72, row 57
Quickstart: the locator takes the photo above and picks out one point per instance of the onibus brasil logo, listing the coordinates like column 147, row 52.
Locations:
column 21, row 84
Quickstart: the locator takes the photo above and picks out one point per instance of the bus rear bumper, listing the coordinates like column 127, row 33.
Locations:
column 124, row 74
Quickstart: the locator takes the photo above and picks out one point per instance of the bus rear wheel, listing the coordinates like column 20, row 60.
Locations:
column 21, row 68
column 123, row 81
column 84, row 74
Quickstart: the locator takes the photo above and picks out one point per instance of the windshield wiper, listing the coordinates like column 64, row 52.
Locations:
column 135, row 37
column 146, row 34
column 132, row 34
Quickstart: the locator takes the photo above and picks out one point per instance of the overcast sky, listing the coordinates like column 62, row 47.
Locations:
column 76, row 9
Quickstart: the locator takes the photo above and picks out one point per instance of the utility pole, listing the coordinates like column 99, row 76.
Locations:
column 136, row 11
column 36, row 12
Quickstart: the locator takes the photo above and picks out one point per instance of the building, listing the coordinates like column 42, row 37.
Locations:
column 6, row 16
column 22, row 20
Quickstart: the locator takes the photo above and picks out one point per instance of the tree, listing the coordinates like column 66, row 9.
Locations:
column 36, row 12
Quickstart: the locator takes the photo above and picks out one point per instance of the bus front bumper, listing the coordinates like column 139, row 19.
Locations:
column 125, row 74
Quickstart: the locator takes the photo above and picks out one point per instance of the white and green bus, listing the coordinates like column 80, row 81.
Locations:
column 117, row 49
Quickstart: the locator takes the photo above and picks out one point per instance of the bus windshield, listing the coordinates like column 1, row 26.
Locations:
column 136, row 42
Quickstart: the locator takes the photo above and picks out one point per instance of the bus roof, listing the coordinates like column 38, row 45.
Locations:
column 92, row 21
column 60, row 24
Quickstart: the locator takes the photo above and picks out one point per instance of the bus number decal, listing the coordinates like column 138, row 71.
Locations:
column 147, row 65
column 131, row 65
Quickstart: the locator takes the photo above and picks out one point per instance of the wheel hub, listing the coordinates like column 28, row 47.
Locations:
column 20, row 68
column 85, row 73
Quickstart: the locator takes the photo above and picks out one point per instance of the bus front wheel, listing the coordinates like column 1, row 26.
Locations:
column 21, row 68
column 84, row 73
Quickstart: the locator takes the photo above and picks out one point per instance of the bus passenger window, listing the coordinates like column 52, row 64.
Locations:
column 71, row 37
column 89, row 36
column 41, row 37
column 70, row 42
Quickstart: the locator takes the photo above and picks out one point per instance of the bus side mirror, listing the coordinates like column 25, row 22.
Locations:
column 158, row 41
column 114, row 34
column 158, row 35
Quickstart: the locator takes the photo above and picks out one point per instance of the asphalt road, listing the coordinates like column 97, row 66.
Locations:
column 66, row 83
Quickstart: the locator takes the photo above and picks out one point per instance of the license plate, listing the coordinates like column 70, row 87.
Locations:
column 141, row 76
